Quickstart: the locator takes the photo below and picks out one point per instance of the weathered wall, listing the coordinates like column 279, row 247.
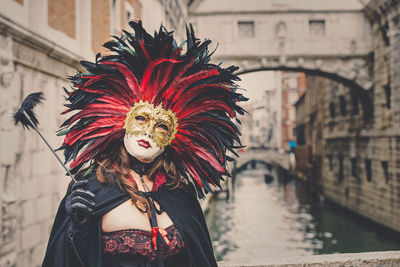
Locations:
column 31, row 181
column 39, row 48
column 361, row 166
column 309, row 133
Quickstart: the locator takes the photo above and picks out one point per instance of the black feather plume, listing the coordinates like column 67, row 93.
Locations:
column 27, row 105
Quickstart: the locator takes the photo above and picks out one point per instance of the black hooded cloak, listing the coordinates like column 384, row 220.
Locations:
column 67, row 250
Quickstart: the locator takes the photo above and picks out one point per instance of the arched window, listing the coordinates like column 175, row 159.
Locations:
column 281, row 29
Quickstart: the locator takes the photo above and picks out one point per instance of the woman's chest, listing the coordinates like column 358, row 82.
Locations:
column 128, row 216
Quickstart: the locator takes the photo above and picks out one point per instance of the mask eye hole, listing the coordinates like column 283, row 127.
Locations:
column 163, row 126
column 140, row 118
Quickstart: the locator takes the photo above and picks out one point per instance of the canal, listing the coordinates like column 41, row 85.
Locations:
column 279, row 219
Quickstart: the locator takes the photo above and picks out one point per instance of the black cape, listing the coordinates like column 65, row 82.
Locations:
column 180, row 204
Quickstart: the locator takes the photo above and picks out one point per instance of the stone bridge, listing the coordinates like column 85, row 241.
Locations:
column 329, row 39
column 268, row 157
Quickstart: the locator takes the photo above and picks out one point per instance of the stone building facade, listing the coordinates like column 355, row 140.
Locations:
column 41, row 43
column 309, row 133
column 361, row 164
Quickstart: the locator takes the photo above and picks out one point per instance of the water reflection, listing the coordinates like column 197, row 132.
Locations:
column 278, row 220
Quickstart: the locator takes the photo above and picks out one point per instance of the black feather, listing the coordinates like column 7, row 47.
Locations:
column 27, row 105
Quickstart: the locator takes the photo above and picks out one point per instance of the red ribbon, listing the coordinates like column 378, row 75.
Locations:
column 154, row 232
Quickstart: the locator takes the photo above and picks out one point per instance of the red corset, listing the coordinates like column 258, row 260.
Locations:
column 135, row 241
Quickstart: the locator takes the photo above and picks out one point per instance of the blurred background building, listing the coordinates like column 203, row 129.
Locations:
column 293, row 86
column 333, row 99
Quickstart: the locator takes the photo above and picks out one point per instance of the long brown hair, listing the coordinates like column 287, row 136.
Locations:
column 114, row 165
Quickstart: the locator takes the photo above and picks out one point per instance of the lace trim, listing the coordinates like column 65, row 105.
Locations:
column 135, row 241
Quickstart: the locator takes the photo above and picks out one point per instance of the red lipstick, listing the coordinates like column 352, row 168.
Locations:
column 144, row 143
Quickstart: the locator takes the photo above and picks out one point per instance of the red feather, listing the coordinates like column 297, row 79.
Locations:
column 130, row 78
column 194, row 174
column 199, row 106
column 204, row 154
column 145, row 89
column 190, row 94
column 95, row 113
column 146, row 54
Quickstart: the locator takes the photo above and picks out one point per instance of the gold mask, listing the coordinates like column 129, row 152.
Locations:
column 143, row 118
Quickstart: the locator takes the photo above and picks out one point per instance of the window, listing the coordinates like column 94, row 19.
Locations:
column 281, row 29
column 301, row 135
column 354, row 167
column 317, row 27
column 330, row 158
column 388, row 93
column 340, row 171
column 368, row 169
column 342, row 103
column 246, row 29
column 385, row 168
column 355, row 100
column 332, row 110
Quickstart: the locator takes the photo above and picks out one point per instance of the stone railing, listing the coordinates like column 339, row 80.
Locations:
column 367, row 259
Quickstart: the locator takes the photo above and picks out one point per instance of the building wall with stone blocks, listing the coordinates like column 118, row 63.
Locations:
column 361, row 164
column 310, row 115
column 365, row 175
column 39, row 48
column 31, row 182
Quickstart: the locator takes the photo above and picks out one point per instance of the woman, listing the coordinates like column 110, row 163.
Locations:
column 149, row 134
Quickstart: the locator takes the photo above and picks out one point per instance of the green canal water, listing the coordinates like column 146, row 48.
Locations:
column 279, row 219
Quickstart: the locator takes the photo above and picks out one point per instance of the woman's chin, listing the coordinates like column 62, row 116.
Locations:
column 142, row 155
column 145, row 160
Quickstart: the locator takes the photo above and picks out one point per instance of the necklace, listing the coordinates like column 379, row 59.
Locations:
column 139, row 167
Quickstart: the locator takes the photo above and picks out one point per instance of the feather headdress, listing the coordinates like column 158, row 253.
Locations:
column 203, row 96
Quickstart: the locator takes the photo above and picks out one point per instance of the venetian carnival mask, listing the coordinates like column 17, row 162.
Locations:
column 148, row 130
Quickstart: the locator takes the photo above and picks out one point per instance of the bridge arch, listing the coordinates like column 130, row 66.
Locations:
column 268, row 164
column 361, row 85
